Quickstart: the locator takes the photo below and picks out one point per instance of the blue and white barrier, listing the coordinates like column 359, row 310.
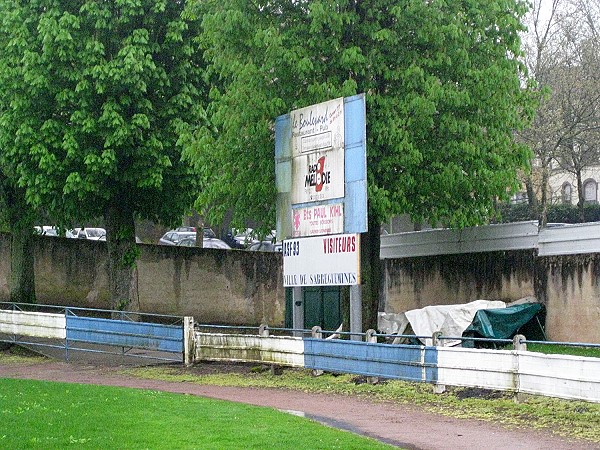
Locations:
column 518, row 371
column 80, row 333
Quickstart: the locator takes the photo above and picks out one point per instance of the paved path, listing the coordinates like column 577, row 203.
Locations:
column 404, row 426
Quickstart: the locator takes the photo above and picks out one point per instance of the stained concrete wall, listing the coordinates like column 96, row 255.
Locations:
column 214, row 286
column 569, row 286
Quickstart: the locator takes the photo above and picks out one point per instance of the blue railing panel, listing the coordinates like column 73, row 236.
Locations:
column 405, row 362
column 431, row 364
column 150, row 336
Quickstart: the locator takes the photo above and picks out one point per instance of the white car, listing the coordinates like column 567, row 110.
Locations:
column 93, row 234
column 46, row 230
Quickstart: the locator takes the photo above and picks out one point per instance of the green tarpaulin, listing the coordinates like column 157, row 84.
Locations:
column 504, row 323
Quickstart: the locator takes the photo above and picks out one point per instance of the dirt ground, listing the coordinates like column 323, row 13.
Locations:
column 400, row 425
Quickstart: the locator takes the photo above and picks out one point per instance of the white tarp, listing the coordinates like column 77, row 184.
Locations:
column 450, row 320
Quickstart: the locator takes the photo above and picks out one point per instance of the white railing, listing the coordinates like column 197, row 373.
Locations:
column 558, row 239
column 283, row 350
column 562, row 376
column 570, row 239
column 510, row 236
column 34, row 324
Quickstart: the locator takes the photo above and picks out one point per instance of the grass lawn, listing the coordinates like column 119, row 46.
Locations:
column 48, row 415
column 570, row 418
column 593, row 352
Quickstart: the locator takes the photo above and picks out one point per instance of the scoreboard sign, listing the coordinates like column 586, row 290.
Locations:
column 322, row 261
column 318, row 152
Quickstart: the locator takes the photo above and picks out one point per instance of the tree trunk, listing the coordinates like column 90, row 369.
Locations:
column 371, row 277
column 122, row 256
column 22, row 276
column 580, row 197
column 543, row 208
column 531, row 197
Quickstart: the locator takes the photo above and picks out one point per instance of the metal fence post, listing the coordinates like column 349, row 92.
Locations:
column 518, row 342
column 438, row 388
column 189, row 341
column 66, row 336
column 518, row 345
column 263, row 330
column 316, row 333
column 371, row 338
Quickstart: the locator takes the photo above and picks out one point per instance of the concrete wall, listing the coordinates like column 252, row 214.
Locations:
column 213, row 286
column 570, row 288
column 417, row 282
column 568, row 285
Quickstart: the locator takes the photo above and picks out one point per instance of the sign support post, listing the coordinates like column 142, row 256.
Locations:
column 297, row 311
column 355, row 312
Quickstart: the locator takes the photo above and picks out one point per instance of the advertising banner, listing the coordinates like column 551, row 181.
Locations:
column 318, row 152
column 322, row 261
column 319, row 219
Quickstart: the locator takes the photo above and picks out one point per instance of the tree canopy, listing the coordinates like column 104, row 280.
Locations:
column 444, row 86
column 97, row 102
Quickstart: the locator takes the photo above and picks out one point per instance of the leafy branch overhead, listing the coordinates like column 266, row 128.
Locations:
column 443, row 84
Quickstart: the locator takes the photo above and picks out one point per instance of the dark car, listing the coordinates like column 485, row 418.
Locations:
column 206, row 243
column 266, row 246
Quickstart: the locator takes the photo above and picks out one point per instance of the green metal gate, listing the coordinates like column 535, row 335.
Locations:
column 322, row 307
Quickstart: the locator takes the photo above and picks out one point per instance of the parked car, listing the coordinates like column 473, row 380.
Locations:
column 46, row 230
column 208, row 232
column 249, row 236
column 173, row 237
column 229, row 239
column 137, row 239
column 206, row 243
column 92, row 233
column 244, row 238
column 266, row 246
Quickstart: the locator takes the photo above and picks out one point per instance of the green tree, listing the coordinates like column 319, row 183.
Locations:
column 444, row 92
column 97, row 102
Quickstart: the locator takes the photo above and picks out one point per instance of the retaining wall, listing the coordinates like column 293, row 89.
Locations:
column 214, row 286
column 558, row 266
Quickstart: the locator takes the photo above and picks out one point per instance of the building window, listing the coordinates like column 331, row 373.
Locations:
column 566, row 193
column 590, row 191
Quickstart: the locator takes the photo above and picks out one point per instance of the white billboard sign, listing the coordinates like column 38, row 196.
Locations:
column 318, row 220
column 318, row 152
column 322, row 261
